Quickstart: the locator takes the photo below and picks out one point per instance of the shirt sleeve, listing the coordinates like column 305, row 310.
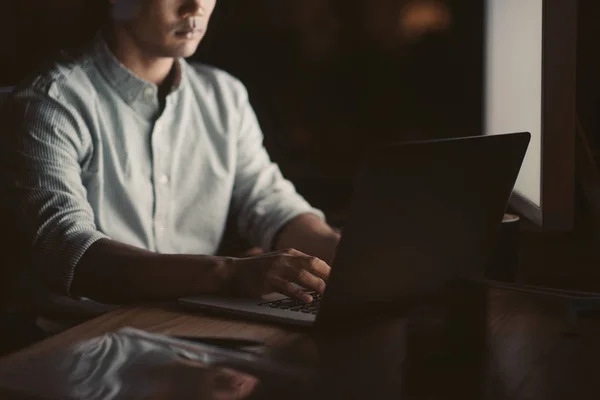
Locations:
column 263, row 199
column 45, row 144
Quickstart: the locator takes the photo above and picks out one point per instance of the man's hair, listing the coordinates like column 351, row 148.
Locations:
column 98, row 9
column 97, row 12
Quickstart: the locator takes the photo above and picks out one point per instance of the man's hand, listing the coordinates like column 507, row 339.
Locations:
column 279, row 272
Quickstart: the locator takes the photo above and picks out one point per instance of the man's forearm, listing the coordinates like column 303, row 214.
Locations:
column 114, row 273
column 311, row 235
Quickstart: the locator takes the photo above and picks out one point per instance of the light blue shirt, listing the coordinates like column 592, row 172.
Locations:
column 92, row 156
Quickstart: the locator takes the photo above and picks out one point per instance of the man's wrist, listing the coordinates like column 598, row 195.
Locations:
column 310, row 234
column 224, row 274
column 329, row 244
column 208, row 274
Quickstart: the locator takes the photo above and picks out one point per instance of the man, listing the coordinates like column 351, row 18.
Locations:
column 124, row 162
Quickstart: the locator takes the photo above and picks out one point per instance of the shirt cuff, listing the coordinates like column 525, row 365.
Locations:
column 66, row 256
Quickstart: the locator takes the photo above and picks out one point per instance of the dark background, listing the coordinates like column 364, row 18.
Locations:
column 588, row 69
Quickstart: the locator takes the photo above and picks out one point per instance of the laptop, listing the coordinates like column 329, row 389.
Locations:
column 423, row 215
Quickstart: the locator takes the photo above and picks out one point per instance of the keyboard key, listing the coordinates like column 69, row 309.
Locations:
column 296, row 305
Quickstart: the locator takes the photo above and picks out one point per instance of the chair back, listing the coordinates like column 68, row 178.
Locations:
column 5, row 93
column 7, row 241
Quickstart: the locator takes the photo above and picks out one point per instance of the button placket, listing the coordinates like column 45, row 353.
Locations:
column 149, row 93
column 162, row 180
column 156, row 166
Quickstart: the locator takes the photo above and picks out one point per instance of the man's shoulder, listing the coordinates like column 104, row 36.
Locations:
column 217, row 81
column 65, row 73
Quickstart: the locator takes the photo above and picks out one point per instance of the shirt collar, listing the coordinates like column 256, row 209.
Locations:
column 129, row 86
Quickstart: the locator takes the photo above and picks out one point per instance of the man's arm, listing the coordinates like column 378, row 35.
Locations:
column 270, row 211
column 114, row 273
column 311, row 235
column 41, row 150
column 41, row 175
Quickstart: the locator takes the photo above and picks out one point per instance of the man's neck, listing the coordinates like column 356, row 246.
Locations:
column 149, row 68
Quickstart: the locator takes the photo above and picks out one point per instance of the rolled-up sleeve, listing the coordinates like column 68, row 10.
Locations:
column 263, row 199
column 45, row 145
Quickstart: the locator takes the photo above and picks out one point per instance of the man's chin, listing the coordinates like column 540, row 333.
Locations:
column 179, row 50
column 186, row 51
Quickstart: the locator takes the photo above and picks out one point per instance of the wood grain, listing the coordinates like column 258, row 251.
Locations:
column 537, row 349
column 160, row 319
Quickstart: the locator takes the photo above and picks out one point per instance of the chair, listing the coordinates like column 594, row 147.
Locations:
column 10, row 247
column 6, row 253
column 16, row 330
column 5, row 93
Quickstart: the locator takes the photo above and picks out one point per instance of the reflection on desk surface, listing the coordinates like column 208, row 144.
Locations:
column 530, row 348
column 520, row 346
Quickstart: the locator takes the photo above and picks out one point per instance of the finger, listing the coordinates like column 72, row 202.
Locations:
column 318, row 267
column 231, row 384
column 243, row 384
column 314, row 265
column 293, row 252
column 309, row 281
column 287, row 288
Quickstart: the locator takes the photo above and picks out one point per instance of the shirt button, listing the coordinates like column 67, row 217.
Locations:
column 164, row 180
column 160, row 228
column 148, row 92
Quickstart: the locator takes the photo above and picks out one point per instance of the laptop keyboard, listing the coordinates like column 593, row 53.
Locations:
column 296, row 305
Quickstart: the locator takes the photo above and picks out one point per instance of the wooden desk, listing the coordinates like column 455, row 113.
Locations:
column 535, row 350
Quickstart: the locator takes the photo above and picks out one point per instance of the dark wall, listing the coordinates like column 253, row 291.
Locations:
column 34, row 30
column 330, row 77
column 588, row 69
